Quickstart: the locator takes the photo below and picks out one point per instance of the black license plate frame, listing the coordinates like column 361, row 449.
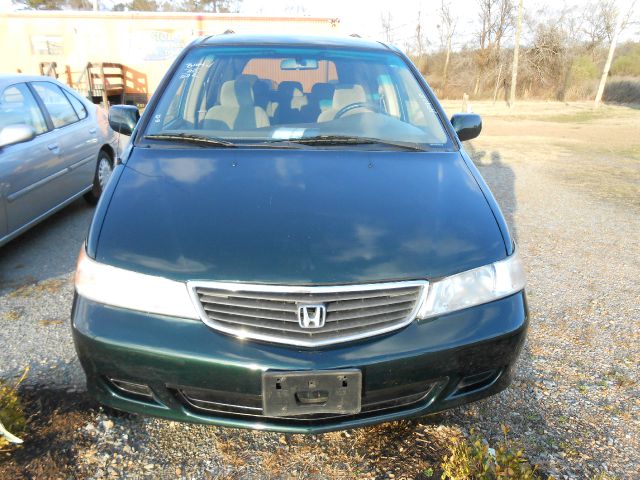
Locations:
column 300, row 393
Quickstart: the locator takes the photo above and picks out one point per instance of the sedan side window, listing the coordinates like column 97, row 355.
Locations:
column 77, row 106
column 19, row 107
column 59, row 108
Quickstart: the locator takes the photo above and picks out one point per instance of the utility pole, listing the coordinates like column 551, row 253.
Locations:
column 607, row 65
column 514, row 67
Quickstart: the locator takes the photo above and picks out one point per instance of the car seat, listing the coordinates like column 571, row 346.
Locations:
column 344, row 95
column 319, row 100
column 237, row 108
column 290, row 98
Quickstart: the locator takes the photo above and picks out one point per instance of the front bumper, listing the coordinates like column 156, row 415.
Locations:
column 457, row 358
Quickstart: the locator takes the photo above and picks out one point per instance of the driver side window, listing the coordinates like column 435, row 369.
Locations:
column 19, row 107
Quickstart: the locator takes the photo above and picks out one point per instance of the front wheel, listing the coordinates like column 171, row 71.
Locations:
column 104, row 168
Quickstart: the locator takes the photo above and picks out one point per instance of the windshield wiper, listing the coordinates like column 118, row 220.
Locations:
column 348, row 140
column 192, row 138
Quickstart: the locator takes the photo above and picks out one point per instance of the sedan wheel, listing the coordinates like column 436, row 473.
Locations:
column 104, row 171
column 104, row 168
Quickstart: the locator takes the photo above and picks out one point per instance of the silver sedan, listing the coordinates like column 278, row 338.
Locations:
column 55, row 146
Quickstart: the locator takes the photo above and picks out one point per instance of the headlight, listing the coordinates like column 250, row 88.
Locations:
column 474, row 287
column 136, row 291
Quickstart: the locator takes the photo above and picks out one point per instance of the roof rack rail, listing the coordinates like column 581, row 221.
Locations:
column 227, row 32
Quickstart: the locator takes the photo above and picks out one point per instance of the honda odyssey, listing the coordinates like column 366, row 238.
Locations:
column 297, row 241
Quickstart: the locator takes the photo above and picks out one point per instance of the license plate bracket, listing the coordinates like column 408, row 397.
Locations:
column 287, row 394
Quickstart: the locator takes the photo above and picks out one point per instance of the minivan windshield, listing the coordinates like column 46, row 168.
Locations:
column 225, row 96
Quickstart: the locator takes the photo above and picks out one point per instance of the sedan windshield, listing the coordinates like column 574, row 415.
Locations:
column 293, row 96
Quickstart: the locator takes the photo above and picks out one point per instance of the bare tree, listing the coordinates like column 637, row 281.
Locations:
column 387, row 28
column 496, row 18
column 514, row 64
column 420, row 45
column 447, row 27
column 599, row 22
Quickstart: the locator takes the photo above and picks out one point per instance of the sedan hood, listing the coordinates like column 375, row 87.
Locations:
column 299, row 216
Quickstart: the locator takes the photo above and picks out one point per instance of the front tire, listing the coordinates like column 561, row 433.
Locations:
column 104, row 168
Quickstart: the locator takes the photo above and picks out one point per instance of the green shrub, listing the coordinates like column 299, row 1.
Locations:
column 472, row 458
column 11, row 412
column 583, row 69
column 627, row 64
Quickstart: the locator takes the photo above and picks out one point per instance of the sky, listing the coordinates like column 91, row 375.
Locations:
column 364, row 16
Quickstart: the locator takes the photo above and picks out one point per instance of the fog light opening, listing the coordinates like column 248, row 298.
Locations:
column 476, row 382
column 139, row 390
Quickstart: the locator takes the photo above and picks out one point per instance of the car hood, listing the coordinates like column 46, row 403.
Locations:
column 299, row 216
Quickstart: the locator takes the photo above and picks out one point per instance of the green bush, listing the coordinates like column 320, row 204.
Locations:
column 627, row 64
column 11, row 412
column 583, row 69
column 472, row 458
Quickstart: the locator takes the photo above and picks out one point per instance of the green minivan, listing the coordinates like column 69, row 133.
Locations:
column 297, row 241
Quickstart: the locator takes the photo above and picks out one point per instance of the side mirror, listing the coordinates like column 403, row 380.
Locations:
column 123, row 118
column 466, row 125
column 12, row 134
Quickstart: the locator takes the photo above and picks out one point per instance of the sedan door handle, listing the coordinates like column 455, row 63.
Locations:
column 54, row 147
column 92, row 131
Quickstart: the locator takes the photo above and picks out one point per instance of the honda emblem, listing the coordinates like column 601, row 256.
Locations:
column 312, row 316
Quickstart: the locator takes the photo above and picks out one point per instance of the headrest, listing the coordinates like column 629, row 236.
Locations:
column 261, row 93
column 289, row 87
column 236, row 93
column 249, row 77
column 346, row 95
column 323, row 91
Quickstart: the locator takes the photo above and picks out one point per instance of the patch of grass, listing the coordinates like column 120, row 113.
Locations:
column 46, row 287
column 632, row 151
column 569, row 449
column 52, row 435
column 401, row 450
column 575, row 117
column 11, row 411
column 604, row 476
column 48, row 322
column 619, row 378
column 472, row 458
column 606, row 174
column 12, row 315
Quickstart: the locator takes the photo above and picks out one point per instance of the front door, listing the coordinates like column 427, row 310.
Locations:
column 76, row 138
column 27, row 169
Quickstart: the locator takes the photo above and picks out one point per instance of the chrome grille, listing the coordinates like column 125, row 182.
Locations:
column 250, row 405
column 270, row 313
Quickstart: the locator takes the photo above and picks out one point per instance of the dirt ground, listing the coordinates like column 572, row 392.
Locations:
column 568, row 181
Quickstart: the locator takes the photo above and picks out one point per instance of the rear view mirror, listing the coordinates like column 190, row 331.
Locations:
column 299, row 64
column 466, row 125
column 12, row 134
column 123, row 118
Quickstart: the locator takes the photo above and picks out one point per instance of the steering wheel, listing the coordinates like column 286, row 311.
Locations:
column 353, row 106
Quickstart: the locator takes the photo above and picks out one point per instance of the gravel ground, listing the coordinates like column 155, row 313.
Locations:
column 575, row 401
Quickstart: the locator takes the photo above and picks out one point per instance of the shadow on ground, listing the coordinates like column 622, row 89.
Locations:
column 51, row 440
column 501, row 179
